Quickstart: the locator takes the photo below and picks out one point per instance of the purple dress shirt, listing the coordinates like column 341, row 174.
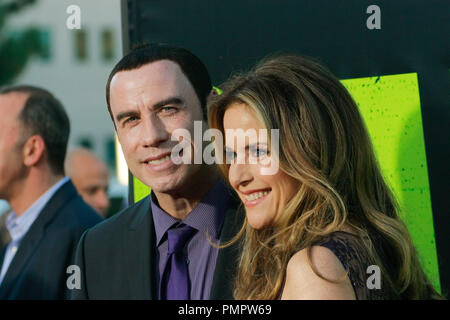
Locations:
column 207, row 218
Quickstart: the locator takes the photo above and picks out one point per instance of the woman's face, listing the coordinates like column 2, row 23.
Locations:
column 264, row 196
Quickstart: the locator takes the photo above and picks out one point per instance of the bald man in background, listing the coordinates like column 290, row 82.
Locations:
column 90, row 176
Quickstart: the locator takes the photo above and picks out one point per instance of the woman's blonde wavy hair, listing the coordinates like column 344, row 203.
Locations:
column 325, row 145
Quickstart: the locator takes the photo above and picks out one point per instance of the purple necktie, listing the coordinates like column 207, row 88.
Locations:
column 174, row 283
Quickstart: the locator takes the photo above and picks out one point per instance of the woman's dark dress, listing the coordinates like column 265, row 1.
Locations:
column 350, row 251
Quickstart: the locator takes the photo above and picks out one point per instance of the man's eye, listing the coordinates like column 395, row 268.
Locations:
column 91, row 191
column 130, row 120
column 169, row 110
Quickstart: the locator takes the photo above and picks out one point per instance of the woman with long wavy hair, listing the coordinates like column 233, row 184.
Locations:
column 317, row 225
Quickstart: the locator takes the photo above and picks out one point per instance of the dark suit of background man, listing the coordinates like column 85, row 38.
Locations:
column 151, row 92
column 48, row 217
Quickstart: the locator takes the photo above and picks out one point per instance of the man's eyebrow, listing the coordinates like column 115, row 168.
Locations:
column 171, row 100
column 126, row 114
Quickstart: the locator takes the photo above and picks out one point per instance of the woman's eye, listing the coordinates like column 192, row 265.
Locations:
column 230, row 155
column 259, row 152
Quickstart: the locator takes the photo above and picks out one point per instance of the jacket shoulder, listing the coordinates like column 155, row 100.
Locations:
column 108, row 230
column 81, row 213
column 67, row 212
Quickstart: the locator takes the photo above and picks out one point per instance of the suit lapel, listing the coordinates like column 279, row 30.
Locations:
column 227, row 259
column 34, row 235
column 139, row 250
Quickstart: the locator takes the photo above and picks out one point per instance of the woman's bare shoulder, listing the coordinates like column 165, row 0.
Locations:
column 304, row 284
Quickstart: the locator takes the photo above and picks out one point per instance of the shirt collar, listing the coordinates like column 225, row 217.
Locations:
column 207, row 216
column 19, row 225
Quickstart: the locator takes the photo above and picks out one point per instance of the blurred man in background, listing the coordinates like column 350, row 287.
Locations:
column 5, row 238
column 47, row 215
column 90, row 176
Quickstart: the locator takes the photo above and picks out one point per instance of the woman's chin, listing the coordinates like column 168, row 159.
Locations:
column 257, row 224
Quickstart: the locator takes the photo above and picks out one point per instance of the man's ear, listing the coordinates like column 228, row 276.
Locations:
column 33, row 150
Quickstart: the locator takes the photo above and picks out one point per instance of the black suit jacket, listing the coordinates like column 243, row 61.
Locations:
column 117, row 261
column 38, row 269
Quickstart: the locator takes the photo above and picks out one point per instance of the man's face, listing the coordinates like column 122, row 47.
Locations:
column 148, row 104
column 12, row 168
column 90, row 177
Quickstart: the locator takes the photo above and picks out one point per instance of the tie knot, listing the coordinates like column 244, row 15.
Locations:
column 177, row 237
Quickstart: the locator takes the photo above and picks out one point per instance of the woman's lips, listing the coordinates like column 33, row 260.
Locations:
column 254, row 198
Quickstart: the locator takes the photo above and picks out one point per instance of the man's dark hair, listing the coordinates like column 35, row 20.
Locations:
column 45, row 116
column 191, row 66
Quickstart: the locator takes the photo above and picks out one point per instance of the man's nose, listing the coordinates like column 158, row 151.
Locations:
column 102, row 201
column 153, row 132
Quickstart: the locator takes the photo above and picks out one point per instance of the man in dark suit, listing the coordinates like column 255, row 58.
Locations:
column 47, row 215
column 151, row 92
